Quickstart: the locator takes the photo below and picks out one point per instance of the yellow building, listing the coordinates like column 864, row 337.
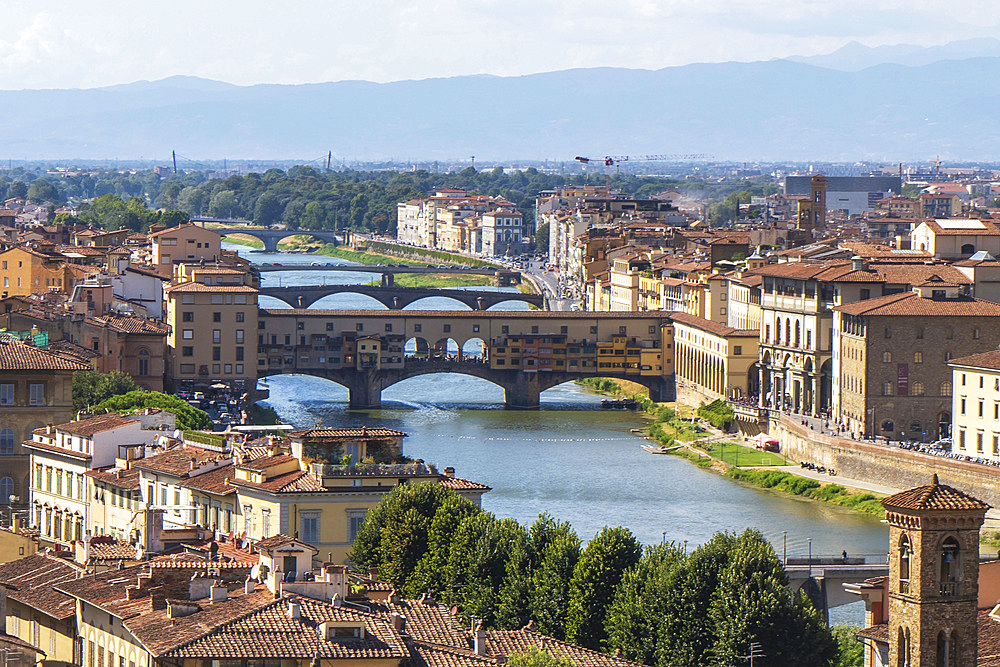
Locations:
column 38, row 614
column 36, row 388
column 715, row 360
column 213, row 331
column 24, row 270
column 184, row 243
column 17, row 541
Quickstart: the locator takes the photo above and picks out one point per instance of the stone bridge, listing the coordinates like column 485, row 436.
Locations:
column 824, row 580
column 524, row 352
column 521, row 390
column 269, row 237
column 396, row 298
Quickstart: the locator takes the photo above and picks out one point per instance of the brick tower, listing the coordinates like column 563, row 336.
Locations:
column 933, row 576
column 812, row 212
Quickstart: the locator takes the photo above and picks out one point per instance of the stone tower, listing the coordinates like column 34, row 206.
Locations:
column 812, row 213
column 933, row 576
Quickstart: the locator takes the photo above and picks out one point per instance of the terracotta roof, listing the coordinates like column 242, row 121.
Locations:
column 178, row 461
column 31, row 580
column 988, row 640
column 433, row 655
column 214, row 481
column 136, row 325
column 269, row 632
column 459, row 484
column 911, row 304
column 712, row 327
column 879, row 633
column 990, row 360
column 112, row 550
column 279, row 540
column 198, row 287
column 96, row 424
column 20, row 643
column 506, row 642
column 934, row 496
column 16, row 356
column 117, row 477
column 428, row 621
column 266, row 462
column 363, row 432
column 34, row 444
column 299, row 481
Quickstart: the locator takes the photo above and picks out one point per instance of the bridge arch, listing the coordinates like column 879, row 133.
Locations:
column 474, row 348
column 512, row 303
column 337, row 302
column 446, row 347
column 417, row 347
column 456, row 298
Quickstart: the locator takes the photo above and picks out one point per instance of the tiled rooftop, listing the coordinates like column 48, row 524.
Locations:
column 16, row 356
column 31, row 580
column 934, row 496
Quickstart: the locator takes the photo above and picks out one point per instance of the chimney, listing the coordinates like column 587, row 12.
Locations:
column 48, row 429
column 858, row 263
column 218, row 593
column 373, row 573
column 294, row 610
column 479, row 643
column 16, row 523
column 398, row 622
column 157, row 601
column 248, row 586
column 449, row 471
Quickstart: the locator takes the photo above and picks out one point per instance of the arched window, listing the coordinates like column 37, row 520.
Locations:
column 947, row 649
column 904, row 564
column 918, row 388
column 797, row 334
column 950, row 567
column 6, row 442
column 6, row 489
column 903, row 647
column 946, row 388
column 788, row 331
column 887, row 357
column 777, row 330
column 968, row 249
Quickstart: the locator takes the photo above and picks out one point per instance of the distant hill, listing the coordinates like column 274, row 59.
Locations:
column 781, row 110
column 854, row 57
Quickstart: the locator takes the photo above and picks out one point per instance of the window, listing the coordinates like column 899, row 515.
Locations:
column 961, row 406
column 887, row 389
column 388, row 326
column 904, row 564
column 918, row 357
column 7, row 394
column 247, row 515
column 354, row 520
column 239, row 353
column 887, row 357
column 216, row 336
column 216, row 316
column 996, row 445
column 950, row 555
column 310, row 527
column 961, row 438
column 888, row 332
column 979, row 442
column 239, row 336
column 36, row 393
column 187, row 351
column 6, row 488
column 975, row 333
column 187, row 316
column 980, row 407
column 265, row 523
column 737, row 350
column 359, row 326
column 187, row 334
column 419, row 327
column 447, row 328
column 918, row 388
column 6, row 448
column 866, row 293
column 216, row 354
column 240, row 316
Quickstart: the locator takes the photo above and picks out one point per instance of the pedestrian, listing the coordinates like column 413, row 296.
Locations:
column 844, row 554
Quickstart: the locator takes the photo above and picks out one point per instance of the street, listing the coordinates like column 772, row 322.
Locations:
column 550, row 283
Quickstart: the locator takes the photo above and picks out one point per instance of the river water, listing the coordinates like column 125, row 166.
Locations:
column 571, row 459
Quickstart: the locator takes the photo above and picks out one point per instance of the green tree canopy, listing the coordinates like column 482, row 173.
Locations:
column 596, row 576
column 536, row 657
column 92, row 387
column 189, row 418
column 43, row 190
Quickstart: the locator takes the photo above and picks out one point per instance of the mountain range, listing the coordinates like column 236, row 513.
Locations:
column 899, row 103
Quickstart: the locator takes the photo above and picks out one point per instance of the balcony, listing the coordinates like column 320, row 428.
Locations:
column 949, row 589
column 904, row 586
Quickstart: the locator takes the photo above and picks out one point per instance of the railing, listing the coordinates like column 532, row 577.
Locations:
column 949, row 589
column 904, row 587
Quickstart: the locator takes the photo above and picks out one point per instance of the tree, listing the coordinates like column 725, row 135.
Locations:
column 635, row 621
column 188, row 417
column 44, row 191
column 551, row 582
column 536, row 657
column 595, row 579
column 752, row 604
column 387, row 540
column 92, row 387
column 542, row 238
column 268, row 209
column 850, row 651
column 486, row 567
column 430, row 574
column 17, row 189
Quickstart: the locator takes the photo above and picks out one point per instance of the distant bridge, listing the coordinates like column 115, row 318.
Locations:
column 384, row 270
column 823, row 580
column 396, row 298
column 269, row 237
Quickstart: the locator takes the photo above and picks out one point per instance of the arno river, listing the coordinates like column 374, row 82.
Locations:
column 571, row 458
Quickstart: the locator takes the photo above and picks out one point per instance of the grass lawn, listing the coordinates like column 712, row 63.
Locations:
column 738, row 455
column 439, row 280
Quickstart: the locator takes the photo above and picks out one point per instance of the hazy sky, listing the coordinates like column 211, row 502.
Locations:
column 57, row 43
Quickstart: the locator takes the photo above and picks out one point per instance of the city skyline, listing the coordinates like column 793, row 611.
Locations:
column 67, row 45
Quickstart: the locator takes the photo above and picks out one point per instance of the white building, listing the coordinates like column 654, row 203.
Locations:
column 62, row 455
column 976, row 405
column 503, row 233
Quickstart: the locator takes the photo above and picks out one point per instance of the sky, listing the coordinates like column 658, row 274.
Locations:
column 84, row 44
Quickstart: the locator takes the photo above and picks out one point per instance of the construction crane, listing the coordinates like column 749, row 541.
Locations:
column 937, row 165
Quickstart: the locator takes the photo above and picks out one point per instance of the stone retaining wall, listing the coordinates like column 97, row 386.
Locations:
column 886, row 465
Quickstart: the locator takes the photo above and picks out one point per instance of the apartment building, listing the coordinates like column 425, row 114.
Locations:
column 61, row 456
column 213, row 328
column 975, row 407
column 184, row 243
column 36, row 388
column 24, row 270
column 895, row 379
column 447, row 220
column 503, row 233
column 956, row 238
